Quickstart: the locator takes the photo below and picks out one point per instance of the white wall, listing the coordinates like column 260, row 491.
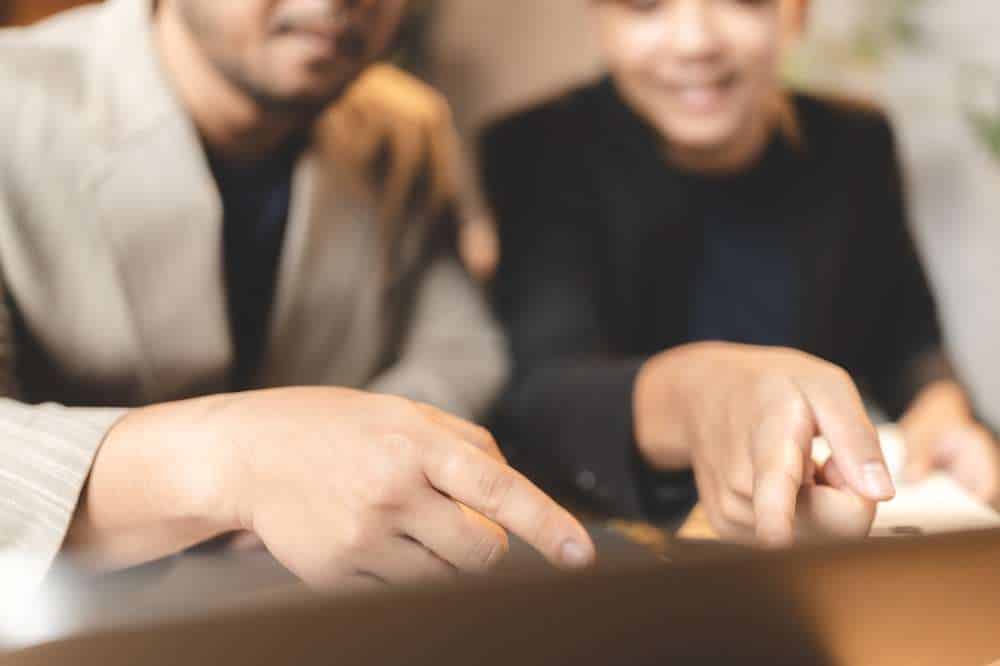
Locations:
column 491, row 56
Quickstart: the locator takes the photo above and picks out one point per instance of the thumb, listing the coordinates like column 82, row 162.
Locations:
column 830, row 475
column 919, row 458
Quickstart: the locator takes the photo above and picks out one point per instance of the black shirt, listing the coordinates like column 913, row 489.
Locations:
column 255, row 199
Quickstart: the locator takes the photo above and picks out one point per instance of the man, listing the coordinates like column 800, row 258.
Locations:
column 187, row 212
column 687, row 199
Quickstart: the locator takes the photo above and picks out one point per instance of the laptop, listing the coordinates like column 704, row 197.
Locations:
column 907, row 601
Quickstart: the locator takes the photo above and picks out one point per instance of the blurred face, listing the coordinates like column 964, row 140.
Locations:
column 705, row 73
column 290, row 53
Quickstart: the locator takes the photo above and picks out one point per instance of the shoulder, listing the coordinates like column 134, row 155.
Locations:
column 49, row 54
column 561, row 125
column 851, row 127
column 850, row 143
column 44, row 74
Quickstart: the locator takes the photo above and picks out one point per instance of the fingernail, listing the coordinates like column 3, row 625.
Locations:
column 575, row 555
column 877, row 481
column 771, row 540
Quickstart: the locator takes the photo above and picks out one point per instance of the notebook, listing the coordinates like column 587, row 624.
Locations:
column 935, row 505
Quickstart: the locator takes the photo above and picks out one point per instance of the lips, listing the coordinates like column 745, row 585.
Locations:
column 703, row 95
column 346, row 40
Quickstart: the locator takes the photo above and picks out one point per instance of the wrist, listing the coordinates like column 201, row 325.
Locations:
column 193, row 461
column 158, row 485
column 661, row 432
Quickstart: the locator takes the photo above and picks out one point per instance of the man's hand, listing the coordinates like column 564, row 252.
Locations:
column 342, row 487
column 941, row 433
column 389, row 114
column 744, row 418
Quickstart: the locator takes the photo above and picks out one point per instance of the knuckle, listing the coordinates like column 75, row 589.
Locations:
column 454, row 465
column 384, row 495
column 838, row 375
column 738, row 480
column 797, row 412
column 398, row 412
column 494, row 488
column 393, row 474
column 489, row 550
column 400, row 449
column 730, row 508
column 359, row 537
column 773, row 386
column 485, row 438
column 781, row 484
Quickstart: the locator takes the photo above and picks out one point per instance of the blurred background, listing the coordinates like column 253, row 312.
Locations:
column 933, row 64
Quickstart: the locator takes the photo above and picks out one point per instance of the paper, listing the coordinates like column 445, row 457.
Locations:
column 937, row 504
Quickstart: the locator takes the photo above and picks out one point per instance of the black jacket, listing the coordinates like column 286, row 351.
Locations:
column 588, row 209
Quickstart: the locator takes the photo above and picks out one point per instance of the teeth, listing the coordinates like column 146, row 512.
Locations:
column 700, row 96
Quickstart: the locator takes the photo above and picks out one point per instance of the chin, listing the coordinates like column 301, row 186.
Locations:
column 308, row 95
column 701, row 137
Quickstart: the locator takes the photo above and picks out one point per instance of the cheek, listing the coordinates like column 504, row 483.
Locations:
column 239, row 28
column 628, row 43
column 755, row 45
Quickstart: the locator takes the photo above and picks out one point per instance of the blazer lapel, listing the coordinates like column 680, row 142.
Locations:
column 647, row 223
column 164, row 229
column 326, row 299
column 161, row 214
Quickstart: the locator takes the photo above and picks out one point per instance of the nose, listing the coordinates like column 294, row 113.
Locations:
column 694, row 34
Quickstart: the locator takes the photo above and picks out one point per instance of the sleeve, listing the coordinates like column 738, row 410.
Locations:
column 566, row 420
column 46, row 452
column 453, row 354
column 908, row 352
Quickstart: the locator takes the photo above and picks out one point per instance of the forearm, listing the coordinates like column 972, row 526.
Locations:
column 155, row 487
column 669, row 396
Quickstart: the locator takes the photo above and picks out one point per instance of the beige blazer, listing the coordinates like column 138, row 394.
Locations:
column 111, row 261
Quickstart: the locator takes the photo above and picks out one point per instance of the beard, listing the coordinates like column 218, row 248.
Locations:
column 283, row 104
column 352, row 46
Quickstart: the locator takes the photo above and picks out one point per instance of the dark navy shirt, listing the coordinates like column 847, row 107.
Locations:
column 256, row 199
column 746, row 287
column 747, row 279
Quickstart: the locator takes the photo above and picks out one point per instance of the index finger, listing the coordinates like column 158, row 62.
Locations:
column 500, row 493
column 780, row 450
column 476, row 435
column 854, row 443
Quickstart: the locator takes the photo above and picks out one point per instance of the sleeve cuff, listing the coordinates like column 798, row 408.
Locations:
column 46, row 453
column 571, row 428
